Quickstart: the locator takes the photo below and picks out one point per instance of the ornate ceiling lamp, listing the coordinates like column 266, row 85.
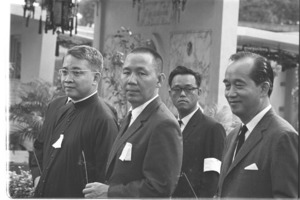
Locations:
column 178, row 7
column 28, row 6
column 61, row 15
column 134, row 2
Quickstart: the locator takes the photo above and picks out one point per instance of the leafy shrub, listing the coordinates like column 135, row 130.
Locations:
column 20, row 185
column 27, row 116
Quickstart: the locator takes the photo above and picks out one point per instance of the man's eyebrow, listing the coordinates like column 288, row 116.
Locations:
column 72, row 67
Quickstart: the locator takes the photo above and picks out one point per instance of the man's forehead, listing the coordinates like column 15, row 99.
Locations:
column 184, row 79
column 244, row 65
column 139, row 55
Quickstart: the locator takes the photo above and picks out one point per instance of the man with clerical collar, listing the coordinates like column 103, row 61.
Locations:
column 260, row 158
column 203, row 137
column 146, row 157
column 78, row 132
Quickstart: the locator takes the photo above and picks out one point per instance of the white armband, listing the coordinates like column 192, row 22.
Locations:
column 212, row 164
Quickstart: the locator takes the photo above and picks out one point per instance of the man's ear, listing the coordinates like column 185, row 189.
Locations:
column 161, row 77
column 97, row 77
column 170, row 94
column 265, row 87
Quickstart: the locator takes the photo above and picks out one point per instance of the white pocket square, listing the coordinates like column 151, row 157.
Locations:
column 126, row 153
column 58, row 142
column 253, row 166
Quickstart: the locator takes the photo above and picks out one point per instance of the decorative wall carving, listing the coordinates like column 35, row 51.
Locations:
column 155, row 13
column 192, row 49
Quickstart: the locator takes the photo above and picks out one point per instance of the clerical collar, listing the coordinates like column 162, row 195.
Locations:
column 138, row 110
column 80, row 100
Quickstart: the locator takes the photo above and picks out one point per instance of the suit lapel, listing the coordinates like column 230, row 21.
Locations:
column 194, row 121
column 230, row 146
column 135, row 126
column 254, row 138
column 123, row 125
column 248, row 145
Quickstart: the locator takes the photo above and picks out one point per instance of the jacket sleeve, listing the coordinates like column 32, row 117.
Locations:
column 107, row 133
column 212, row 161
column 161, row 165
column 284, row 170
column 36, row 159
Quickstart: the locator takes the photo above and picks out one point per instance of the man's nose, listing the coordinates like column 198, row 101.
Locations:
column 132, row 78
column 230, row 92
column 68, row 77
column 182, row 93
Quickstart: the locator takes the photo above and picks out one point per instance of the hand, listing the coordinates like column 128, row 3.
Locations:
column 36, row 181
column 95, row 190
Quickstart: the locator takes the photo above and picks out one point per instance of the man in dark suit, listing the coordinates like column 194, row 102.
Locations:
column 146, row 157
column 78, row 131
column 260, row 160
column 203, row 137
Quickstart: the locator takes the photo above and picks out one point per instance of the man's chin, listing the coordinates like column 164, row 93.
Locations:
column 182, row 106
column 71, row 95
column 184, row 109
column 236, row 111
column 134, row 101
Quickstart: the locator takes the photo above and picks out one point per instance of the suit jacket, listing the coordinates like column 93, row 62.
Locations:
column 272, row 148
column 203, row 138
column 156, row 155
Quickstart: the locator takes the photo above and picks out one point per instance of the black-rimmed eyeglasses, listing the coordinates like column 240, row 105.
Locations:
column 187, row 90
column 73, row 73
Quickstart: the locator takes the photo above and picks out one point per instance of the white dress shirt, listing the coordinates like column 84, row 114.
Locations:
column 138, row 110
column 187, row 118
column 254, row 121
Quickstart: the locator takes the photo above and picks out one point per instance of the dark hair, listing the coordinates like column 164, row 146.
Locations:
column 261, row 71
column 90, row 54
column 158, row 59
column 182, row 71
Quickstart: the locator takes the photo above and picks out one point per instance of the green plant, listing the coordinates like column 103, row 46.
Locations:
column 20, row 185
column 27, row 116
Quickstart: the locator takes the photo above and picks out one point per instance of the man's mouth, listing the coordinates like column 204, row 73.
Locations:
column 182, row 101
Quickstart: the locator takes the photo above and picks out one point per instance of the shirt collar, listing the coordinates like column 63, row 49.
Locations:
column 80, row 100
column 138, row 110
column 187, row 118
column 254, row 121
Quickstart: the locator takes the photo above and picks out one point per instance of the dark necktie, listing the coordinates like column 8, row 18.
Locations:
column 180, row 122
column 127, row 121
column 241, row 138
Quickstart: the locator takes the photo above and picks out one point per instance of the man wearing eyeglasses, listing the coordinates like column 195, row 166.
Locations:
column 78, row 130
column 203, row 137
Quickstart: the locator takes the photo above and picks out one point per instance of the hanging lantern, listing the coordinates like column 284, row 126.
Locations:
column 178, row 7
column 28, row 6
column 134, row 2
column 61, row 16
